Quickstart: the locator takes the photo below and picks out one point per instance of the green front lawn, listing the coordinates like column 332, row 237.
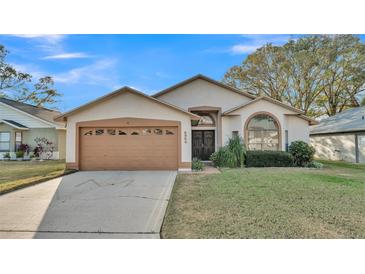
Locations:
column 14, row 174
column 269, row 203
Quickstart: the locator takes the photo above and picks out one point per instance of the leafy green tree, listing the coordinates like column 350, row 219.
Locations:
column 319, row 74
column 19, row 86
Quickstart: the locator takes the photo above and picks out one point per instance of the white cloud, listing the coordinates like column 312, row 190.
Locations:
column 70, row 55
column 51, row 44
column 29, row 68
column 101, row 72
column 241, row 49
column 49, row 37
column 253, row 42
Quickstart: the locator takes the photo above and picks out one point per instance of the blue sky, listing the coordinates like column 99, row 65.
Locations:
column 88, row 66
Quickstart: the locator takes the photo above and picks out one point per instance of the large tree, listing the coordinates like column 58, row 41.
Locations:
column 20, row 86
column 319, row 74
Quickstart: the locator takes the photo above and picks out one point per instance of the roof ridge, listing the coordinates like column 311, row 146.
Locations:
column 208, row 79
column 116, row 92
column 40, row 107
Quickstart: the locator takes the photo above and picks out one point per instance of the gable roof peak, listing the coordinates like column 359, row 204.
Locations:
column 63, row 116
column 42, row 113
column 205, row 78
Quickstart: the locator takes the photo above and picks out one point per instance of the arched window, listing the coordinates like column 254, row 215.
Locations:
column 205, row 120
column 263, row 133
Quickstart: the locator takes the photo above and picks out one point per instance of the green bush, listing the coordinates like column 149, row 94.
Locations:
column 255, row 158
column 231, row 155
column 214, row 158
column 197, row 165
column 19, row 154
column 302, row 153
column 314, row 164
column 236, row 146
column 6, row 155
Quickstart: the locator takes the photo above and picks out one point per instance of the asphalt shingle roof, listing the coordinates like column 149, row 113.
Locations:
column 15, row 123
column 40, row 112
column 347, row 121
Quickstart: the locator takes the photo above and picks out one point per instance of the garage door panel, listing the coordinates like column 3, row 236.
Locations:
column 137, row 148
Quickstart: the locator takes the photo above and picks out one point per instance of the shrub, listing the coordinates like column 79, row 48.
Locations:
column 268, row 159
column 236, row 146
column 24, row 147
column 231, row 155
column 314, row 164
column 197, row 165
column 6, row 155
column 19, row 154
column 302, row 153
column 214, row 158
column 44, row 148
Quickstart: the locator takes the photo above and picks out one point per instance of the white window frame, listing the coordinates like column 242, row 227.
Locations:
column 18, row 142
column 5, row 142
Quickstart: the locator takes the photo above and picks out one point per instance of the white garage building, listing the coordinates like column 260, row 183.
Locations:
column 341, row 137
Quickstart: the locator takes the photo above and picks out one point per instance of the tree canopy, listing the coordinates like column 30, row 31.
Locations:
column 20, row 86
column 319, row 74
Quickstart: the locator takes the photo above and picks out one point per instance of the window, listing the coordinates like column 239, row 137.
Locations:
column 18, row 140
column 263, row 133
column 146, row 131
column 99, row 131
column 205, row 120
column 4, row 141
column 157, row 131
column 234, row 133
column 88, row 133
column 111, row 131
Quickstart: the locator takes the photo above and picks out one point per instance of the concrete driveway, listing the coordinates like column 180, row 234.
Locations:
column 97, row 204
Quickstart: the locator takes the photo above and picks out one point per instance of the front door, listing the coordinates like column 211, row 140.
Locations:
column 203, row 144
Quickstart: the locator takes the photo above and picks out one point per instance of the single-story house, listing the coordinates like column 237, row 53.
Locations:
column 22, row 123
column 341, row 137
column 130, row 130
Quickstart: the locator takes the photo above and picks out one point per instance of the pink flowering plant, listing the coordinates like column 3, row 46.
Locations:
column 44, row 148
column 24, row 147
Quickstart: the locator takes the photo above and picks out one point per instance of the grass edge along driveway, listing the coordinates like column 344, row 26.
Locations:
column 269, row 203
column 18, row 174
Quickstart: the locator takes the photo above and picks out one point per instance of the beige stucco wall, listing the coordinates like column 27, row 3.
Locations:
column 335, row 147
column 203, row 93
column 298, row 129
column 61, row 133
column 128, row 105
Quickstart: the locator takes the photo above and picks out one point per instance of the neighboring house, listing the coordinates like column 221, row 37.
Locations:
column 127, row 129
column 341, row 137
column 22, row 123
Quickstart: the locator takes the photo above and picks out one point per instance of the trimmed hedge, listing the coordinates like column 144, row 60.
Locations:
column 255, row 158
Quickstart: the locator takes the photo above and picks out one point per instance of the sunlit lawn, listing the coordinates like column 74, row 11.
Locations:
column 269, row 203
column 15, row 174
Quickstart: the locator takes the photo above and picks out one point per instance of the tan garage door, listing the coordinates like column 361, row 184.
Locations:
column 139, row 148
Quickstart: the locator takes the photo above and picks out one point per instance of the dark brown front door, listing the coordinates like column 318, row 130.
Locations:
column 203, row 144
